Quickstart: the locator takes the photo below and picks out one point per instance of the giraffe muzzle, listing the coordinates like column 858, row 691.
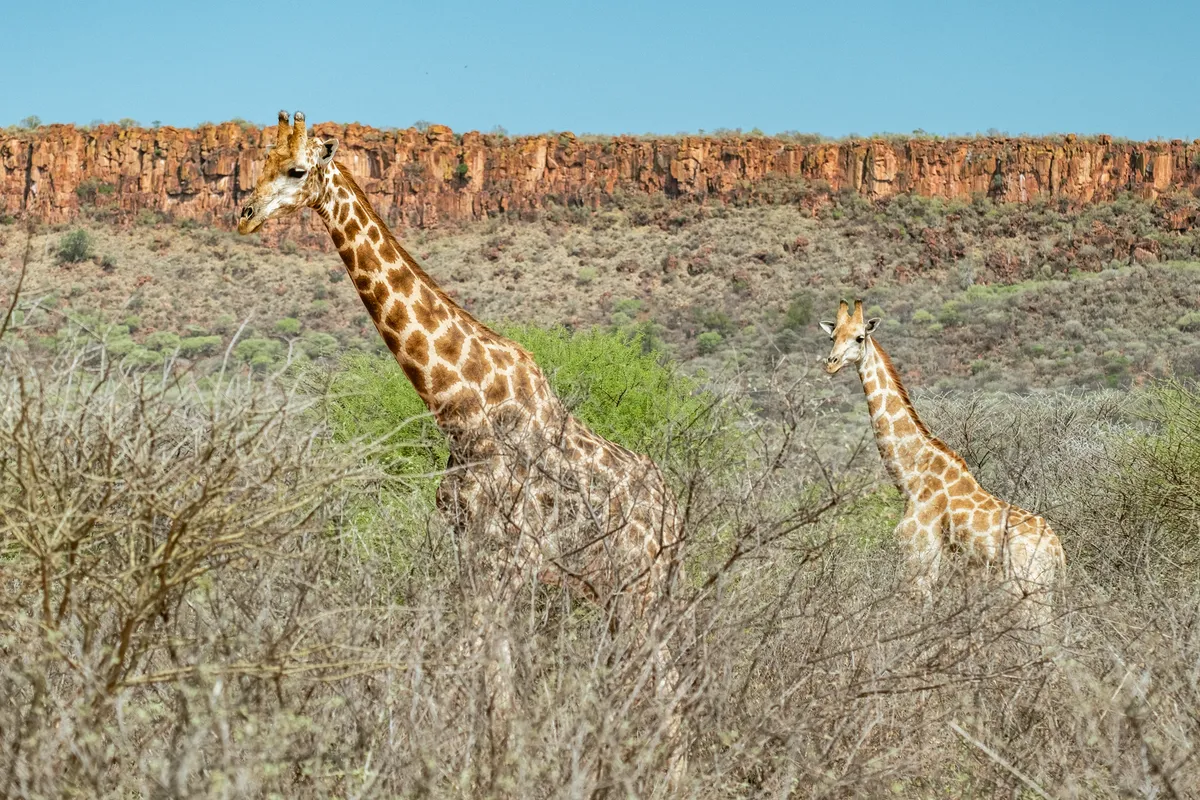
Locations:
column 833, row 364
column 249, row 220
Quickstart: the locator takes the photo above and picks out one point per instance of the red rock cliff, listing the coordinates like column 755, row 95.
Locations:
column 422, row 178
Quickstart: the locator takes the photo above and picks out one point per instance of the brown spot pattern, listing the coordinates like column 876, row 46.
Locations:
column 416, row 377
column 476, row 368
column 423, row 315
column 397, row 318
column 449, row 344
column 367, row 260
column 417, row 347
column 441, row 379
column 522, row 385
column 380, row 297
column 502, row 358
column 497, row 391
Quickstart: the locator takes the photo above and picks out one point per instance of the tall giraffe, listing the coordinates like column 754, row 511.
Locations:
column 945, row 507
column 538, row 492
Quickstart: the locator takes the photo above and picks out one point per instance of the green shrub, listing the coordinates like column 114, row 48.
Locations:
column 629, row 305
column 163, row 341
column 76, row 246
column 922, row 317
column 226, row 323
column 717, row 321
column 607, row 379
column 288, row 326
column 140, row 357
column 120, row 345
column 260, row 354
column 92, row 189
column 628, row 395
column 1189, row 322
column 799, row 314
column 950, row 314
column 316, row 344
column 194, row 346
column 620, row 319
column 709, row 342
column 1161, row 478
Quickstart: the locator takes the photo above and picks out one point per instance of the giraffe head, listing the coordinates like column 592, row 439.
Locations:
column 849, row 335
column 292, row 176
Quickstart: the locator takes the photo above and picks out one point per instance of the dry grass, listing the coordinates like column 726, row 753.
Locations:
column 202, row 596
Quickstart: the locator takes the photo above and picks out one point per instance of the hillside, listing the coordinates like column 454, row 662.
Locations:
column 974, row 295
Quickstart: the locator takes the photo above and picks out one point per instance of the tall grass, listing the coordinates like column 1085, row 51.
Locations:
column 221, row 591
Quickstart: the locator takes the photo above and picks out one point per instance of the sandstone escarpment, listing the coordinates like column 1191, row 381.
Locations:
column 420, row 178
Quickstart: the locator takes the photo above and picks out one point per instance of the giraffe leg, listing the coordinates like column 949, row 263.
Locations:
column 922, row 548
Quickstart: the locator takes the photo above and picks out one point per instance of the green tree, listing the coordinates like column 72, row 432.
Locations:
column 709, row 342
column 76, row 246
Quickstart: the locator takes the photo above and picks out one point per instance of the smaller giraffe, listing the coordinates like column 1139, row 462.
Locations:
column 945, row 506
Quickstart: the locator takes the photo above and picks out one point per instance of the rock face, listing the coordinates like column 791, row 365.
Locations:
column 421, row 178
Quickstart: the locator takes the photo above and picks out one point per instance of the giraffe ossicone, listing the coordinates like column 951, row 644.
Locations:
column 538, row 492
column 945, row 507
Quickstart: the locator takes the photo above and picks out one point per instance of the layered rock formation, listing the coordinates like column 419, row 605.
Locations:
column 421, row 178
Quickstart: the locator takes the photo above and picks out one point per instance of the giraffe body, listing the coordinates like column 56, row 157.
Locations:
column 946, row 510
column 535, row 491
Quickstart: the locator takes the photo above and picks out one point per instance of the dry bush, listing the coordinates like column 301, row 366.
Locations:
column 204, row 593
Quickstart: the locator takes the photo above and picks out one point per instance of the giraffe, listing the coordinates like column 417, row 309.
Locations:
column 537, row 491
column 945, row 507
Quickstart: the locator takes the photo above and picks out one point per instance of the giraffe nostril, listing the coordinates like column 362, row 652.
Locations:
column 247, row 212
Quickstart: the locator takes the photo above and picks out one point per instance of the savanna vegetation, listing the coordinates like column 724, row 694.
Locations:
column 221, row 573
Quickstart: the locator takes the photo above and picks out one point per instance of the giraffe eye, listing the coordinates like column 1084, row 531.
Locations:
column 296, row 172
column 860, row 339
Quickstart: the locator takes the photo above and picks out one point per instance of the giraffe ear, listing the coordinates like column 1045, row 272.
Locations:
column 872, row 325
column 328, row 148
column 827, row 327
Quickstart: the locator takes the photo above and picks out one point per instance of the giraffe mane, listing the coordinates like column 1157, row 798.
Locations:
column 409, row 260
column 937, row 443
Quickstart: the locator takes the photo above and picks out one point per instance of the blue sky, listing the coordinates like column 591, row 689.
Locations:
column 860, row 66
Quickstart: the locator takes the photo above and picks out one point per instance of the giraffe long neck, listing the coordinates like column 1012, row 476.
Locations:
column 900, row 434
column 461, row 369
